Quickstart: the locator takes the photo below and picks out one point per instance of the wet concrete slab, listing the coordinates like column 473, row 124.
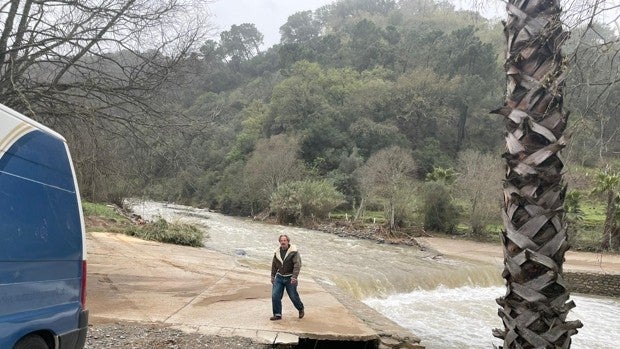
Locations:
column 202, row 291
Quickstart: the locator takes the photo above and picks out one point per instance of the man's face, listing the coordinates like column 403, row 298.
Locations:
column 284, row 243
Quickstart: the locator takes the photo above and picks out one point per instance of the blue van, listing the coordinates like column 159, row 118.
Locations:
column 42, row 249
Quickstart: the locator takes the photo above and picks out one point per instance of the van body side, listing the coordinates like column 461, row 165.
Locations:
column 42, row 237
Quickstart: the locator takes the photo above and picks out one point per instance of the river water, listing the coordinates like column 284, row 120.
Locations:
column 449, row 304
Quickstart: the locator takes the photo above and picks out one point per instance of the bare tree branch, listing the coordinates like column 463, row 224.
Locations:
column 94, row 56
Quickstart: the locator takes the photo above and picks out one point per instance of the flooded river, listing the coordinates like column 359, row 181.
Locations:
column 449, row 304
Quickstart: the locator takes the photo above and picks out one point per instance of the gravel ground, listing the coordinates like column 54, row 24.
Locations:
column 128, row 335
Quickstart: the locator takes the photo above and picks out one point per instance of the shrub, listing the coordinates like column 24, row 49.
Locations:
column 405, row 206
column 439, row 211
column 285, row 203
column 430, row 156
column 101, row 217
column 440, row 174
column 294, row 201
column 172, row 233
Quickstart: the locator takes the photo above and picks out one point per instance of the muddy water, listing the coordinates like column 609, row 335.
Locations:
column 449, row 304
column 362, row 267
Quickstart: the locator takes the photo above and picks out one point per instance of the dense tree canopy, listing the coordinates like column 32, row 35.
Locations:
column 300, row 28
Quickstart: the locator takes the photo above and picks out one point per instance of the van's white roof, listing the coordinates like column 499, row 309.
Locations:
column 8, row 112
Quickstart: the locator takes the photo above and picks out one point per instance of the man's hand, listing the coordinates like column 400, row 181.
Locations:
column 272, row 280
column 293, row 280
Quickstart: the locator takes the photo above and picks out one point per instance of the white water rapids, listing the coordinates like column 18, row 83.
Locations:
column 449, row 304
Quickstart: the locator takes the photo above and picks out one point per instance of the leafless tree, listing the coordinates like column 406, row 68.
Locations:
column 62, row 60
column 385, row 176
column 274, row 162
column 94, row 70
column 481, row 194
column 593, row 79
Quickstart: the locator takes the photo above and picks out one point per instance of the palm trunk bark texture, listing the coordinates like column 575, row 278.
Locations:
column 536, row 302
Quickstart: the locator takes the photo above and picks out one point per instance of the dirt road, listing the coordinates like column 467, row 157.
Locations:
column 492, row 253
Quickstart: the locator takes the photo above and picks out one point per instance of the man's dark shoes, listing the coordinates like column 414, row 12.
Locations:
column 301, row 314
column 275, row 317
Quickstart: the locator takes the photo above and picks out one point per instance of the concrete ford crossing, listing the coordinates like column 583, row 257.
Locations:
column 42, row 250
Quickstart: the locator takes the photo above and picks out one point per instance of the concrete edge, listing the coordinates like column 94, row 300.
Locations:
column 387, row 330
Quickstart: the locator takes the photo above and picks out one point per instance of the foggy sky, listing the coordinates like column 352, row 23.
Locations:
column 267, row 15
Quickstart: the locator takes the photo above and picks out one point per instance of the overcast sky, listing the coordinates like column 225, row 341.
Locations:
column 267, row 15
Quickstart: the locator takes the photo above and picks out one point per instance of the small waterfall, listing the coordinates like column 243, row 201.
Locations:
column 366, row 283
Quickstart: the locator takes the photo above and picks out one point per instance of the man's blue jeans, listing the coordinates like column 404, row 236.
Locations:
column 277, row 292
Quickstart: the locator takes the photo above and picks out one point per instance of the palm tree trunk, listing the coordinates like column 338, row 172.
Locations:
column 536, row 303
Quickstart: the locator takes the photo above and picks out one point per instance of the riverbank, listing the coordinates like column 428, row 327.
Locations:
column 586, row 272
column 586, row 262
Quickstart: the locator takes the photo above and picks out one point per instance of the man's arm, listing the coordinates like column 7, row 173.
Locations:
column 274, row 268
column 296, row 265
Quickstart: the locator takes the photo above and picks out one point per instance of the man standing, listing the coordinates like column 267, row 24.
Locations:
column 284, row 272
